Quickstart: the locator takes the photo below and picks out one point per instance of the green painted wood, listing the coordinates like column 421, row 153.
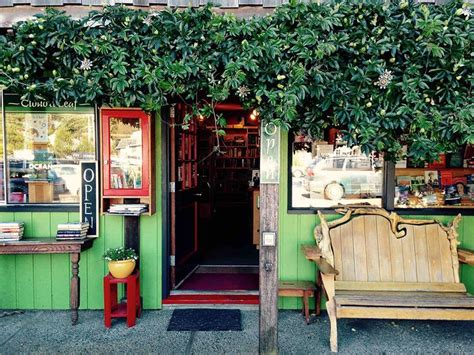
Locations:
column 8, row 296
column 95, row 273
column 42, row 279
column 24, row 268
column 59, row 267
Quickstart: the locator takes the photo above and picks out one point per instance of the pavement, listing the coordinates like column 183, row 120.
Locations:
column 51, row 332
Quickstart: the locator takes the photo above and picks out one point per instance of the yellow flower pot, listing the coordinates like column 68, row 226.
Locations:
column 121, row 269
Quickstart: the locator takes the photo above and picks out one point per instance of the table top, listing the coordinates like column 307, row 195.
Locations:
column 49, row 245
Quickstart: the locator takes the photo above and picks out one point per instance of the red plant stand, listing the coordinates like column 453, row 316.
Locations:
column 129, row 310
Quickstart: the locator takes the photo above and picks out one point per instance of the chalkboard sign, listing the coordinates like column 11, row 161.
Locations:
column 270, row 154
column 90, row 197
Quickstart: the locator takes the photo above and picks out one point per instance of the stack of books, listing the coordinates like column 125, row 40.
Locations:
column 70, row 231
column 129, row 209
column 11, row 231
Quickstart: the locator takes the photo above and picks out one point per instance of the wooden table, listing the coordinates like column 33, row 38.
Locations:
column 53, row 246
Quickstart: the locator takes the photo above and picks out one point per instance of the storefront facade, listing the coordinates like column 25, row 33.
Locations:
column 42, row 281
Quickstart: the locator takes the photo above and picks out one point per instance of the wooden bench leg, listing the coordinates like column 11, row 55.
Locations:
column 328, row 282
column 306, row 305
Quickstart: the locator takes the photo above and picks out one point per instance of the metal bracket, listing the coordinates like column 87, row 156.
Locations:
column 172, row 186
column 172, row 260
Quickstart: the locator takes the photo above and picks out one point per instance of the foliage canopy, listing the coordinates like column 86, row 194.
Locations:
column 383, row 73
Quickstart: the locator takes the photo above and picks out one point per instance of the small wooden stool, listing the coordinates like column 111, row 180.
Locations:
column 131, row 309
column 304, row 289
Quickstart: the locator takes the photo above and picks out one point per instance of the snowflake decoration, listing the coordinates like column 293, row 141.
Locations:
column 466, row 12
column 148, row 20
column 86, row 64
column 384, row 79
column 243, row 91
column 96, row 23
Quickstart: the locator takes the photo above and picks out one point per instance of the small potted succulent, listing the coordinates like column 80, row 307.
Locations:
column 121, row 261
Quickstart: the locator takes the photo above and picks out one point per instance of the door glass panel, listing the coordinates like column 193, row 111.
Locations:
column 125, row 153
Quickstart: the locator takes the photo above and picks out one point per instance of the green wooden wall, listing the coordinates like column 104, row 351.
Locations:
column 42, row 281
column 297, row 229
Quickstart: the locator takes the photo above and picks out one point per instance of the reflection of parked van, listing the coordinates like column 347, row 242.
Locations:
column 71, row 175
column 339, row 176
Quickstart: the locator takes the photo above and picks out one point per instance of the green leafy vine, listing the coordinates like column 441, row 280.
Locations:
column 383, row 73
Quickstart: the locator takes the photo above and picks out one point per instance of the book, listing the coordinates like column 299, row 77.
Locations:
column 431, row 178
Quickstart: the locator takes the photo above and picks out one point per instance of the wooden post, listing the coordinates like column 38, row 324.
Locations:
column 269, row 205
column 131, row 231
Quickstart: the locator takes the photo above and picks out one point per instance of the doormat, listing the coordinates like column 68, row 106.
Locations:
column 203, row 320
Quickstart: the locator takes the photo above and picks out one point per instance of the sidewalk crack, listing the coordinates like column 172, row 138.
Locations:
column 189, row 346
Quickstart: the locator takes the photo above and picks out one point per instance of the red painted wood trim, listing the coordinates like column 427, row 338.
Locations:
column 212, row 299
column 106, row 115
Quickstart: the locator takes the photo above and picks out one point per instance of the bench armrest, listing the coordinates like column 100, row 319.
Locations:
column 311, row 251
column 466, row 256
column 325, row 267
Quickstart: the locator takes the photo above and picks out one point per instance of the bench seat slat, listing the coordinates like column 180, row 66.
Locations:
column 400, row 286
column 405, row 313
column 403, row 299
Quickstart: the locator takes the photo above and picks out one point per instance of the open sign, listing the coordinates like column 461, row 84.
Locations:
column 89, row 207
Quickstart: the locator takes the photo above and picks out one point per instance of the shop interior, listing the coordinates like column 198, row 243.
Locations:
column 216, row 222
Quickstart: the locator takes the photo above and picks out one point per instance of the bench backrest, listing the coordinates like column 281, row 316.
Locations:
column 373, row 245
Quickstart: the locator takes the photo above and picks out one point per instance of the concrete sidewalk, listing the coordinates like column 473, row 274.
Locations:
column 51, row 332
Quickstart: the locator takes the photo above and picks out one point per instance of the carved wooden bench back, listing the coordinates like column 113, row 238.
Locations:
column 372, row 245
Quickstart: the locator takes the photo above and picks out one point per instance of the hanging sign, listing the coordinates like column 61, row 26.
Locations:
column 270, row 154
column 89, row 207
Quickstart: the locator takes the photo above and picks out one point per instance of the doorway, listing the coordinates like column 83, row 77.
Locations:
column 214, row 202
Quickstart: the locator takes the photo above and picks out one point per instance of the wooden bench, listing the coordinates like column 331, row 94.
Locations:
column 375, row 264
column 304, row 289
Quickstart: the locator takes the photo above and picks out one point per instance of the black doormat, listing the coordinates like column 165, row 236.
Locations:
column 202, row 319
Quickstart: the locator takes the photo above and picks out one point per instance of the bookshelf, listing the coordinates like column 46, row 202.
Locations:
column 240, row 155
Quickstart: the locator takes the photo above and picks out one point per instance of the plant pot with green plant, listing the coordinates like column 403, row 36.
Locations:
column 121, row 261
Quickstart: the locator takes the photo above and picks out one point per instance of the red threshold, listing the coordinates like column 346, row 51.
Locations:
column 211, row 299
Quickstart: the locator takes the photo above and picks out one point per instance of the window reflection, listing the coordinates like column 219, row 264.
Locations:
column 126, row 153
column 43, row 154
column 328, row 173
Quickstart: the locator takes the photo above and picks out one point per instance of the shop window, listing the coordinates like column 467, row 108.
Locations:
column 325, row 173
column 446, row 183
column 43, row 149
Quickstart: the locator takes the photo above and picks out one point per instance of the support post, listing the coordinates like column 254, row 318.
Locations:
column 268, row 270
column 131, row 226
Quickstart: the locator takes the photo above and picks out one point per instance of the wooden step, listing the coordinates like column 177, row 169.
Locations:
column 211, row 299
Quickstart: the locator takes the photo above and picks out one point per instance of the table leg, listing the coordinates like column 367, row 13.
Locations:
column 75, row 287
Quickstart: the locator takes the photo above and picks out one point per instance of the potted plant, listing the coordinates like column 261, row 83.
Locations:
column 121, row 261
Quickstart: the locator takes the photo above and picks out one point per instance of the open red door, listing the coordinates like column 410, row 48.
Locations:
column 184, row 196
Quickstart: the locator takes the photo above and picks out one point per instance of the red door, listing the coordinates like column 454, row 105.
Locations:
column 184, row 196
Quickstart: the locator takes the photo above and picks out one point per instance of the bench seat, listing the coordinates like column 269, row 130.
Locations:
column 404, row 299
column 376, row 264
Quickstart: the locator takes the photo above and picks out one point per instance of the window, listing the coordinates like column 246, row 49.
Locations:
column 44, row 145
column 446, row 183
column 327, row 173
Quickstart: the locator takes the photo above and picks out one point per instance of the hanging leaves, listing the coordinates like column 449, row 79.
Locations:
column 378, row 71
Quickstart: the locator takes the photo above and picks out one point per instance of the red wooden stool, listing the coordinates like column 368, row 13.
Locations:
column 131, row 309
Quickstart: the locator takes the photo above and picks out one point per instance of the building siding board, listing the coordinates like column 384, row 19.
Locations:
column 141, row 2
column 46, row 2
